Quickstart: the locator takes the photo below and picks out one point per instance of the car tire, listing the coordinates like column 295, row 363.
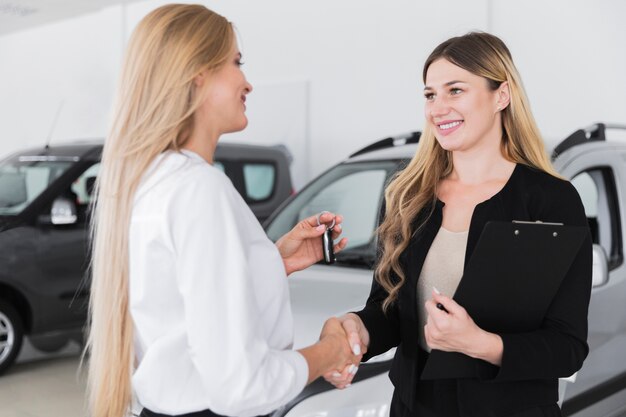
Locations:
column 11, row 335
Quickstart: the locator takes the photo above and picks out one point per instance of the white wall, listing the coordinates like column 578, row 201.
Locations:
column 329, row 76
column 572, row 57
column 72, row 64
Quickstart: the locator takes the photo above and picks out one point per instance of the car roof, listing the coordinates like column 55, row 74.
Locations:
column 583, row 140
column 594, row 146
column 408, row 151
column 243, row 151
column 392, row 153
column 88, row 148
column 76, row 150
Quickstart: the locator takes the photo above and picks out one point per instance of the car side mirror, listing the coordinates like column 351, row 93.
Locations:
column 63, row 211
column 600, row 270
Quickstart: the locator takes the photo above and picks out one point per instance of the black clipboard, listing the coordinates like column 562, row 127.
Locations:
column 508, row 284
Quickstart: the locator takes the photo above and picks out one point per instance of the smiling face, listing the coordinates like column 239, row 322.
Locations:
column 461, row 108
column 223, row 109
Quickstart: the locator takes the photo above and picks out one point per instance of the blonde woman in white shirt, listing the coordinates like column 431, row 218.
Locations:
column 189, row 305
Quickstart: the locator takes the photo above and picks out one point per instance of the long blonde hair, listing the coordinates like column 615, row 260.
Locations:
column 411, row 196
column 156, row 100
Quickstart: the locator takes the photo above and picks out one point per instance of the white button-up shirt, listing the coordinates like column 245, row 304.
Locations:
column 208, row 297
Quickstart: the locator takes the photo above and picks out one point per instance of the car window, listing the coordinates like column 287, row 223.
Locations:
column 597, row 191
column 84, row 185
column 259, row 179
column 357, row 198
column 353, row 190
column 82, row 192
column 23, row 179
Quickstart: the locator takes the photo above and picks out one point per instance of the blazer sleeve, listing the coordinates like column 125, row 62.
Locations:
column 559, row 347
column 383, row 326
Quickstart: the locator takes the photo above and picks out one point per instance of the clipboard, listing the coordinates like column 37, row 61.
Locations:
column 508, row 284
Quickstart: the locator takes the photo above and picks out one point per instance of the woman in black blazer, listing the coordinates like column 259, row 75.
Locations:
column 480, row 158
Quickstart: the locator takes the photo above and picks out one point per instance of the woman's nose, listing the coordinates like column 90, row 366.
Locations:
column 439, row 108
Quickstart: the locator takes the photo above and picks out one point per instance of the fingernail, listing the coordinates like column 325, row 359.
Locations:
column 336, row 374
column 436, row 291
column 352, row 369
column 320, row 227
column 349, row 385
column 356, row 349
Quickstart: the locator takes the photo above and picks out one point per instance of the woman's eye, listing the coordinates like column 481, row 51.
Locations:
column 455, row 91
column 429, row 96
column 239, row 62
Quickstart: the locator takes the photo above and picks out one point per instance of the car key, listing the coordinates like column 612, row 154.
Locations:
column 327, row 246
column 327, row 242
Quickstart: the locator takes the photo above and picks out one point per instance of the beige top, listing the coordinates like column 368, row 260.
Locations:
column 443, row 268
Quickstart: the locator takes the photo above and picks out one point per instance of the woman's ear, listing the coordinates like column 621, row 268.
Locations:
column 200, row 79
column 503, row 95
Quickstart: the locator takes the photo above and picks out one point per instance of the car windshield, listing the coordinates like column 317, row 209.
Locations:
column 24, row 178
column 353, row 190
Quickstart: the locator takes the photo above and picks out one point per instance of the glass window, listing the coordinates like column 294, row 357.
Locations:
column 259, row 180
column 22, row 180
column 598, row 193
column 353, row 190
column 84, row 185
column 588, row 192
column 357, row 198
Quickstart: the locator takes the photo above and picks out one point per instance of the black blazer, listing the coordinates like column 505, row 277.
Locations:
column 532, row 362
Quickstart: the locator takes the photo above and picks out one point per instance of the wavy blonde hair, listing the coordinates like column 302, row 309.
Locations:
column 411, row 196
column 156, row 100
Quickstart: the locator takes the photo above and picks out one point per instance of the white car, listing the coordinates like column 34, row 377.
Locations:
column 355, row 187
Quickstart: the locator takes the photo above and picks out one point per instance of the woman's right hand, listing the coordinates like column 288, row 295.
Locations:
column 335, row 336
column 359, row 339
column 301, row 247
column 331, row 352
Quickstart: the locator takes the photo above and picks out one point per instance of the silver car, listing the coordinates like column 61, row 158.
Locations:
column 354, row 188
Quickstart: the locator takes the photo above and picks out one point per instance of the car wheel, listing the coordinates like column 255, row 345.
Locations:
column 11, row 335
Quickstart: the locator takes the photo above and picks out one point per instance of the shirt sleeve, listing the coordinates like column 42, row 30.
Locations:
column 559, row 347
column 241, row 373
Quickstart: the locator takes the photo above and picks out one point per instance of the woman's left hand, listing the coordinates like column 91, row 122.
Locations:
column 301, row 247
column 455, row 331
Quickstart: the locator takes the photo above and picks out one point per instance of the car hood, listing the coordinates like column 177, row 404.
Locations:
column 320, row 292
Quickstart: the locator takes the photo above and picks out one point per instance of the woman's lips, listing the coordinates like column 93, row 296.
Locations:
column 448, row 127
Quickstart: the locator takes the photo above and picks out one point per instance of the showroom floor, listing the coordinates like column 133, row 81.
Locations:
column 44, row 385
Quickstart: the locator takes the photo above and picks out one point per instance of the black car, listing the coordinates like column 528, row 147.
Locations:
column 45, row 195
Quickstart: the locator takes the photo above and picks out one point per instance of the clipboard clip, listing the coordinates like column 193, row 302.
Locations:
column 538, row 222
column 516, row 232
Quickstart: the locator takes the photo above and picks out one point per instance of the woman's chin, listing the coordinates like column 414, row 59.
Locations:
column 238, row 127
column 448, row 145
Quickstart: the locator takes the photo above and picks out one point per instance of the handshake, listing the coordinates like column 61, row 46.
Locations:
column 346, row 340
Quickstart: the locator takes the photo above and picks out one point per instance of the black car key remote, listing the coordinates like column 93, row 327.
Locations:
column 328, row 247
